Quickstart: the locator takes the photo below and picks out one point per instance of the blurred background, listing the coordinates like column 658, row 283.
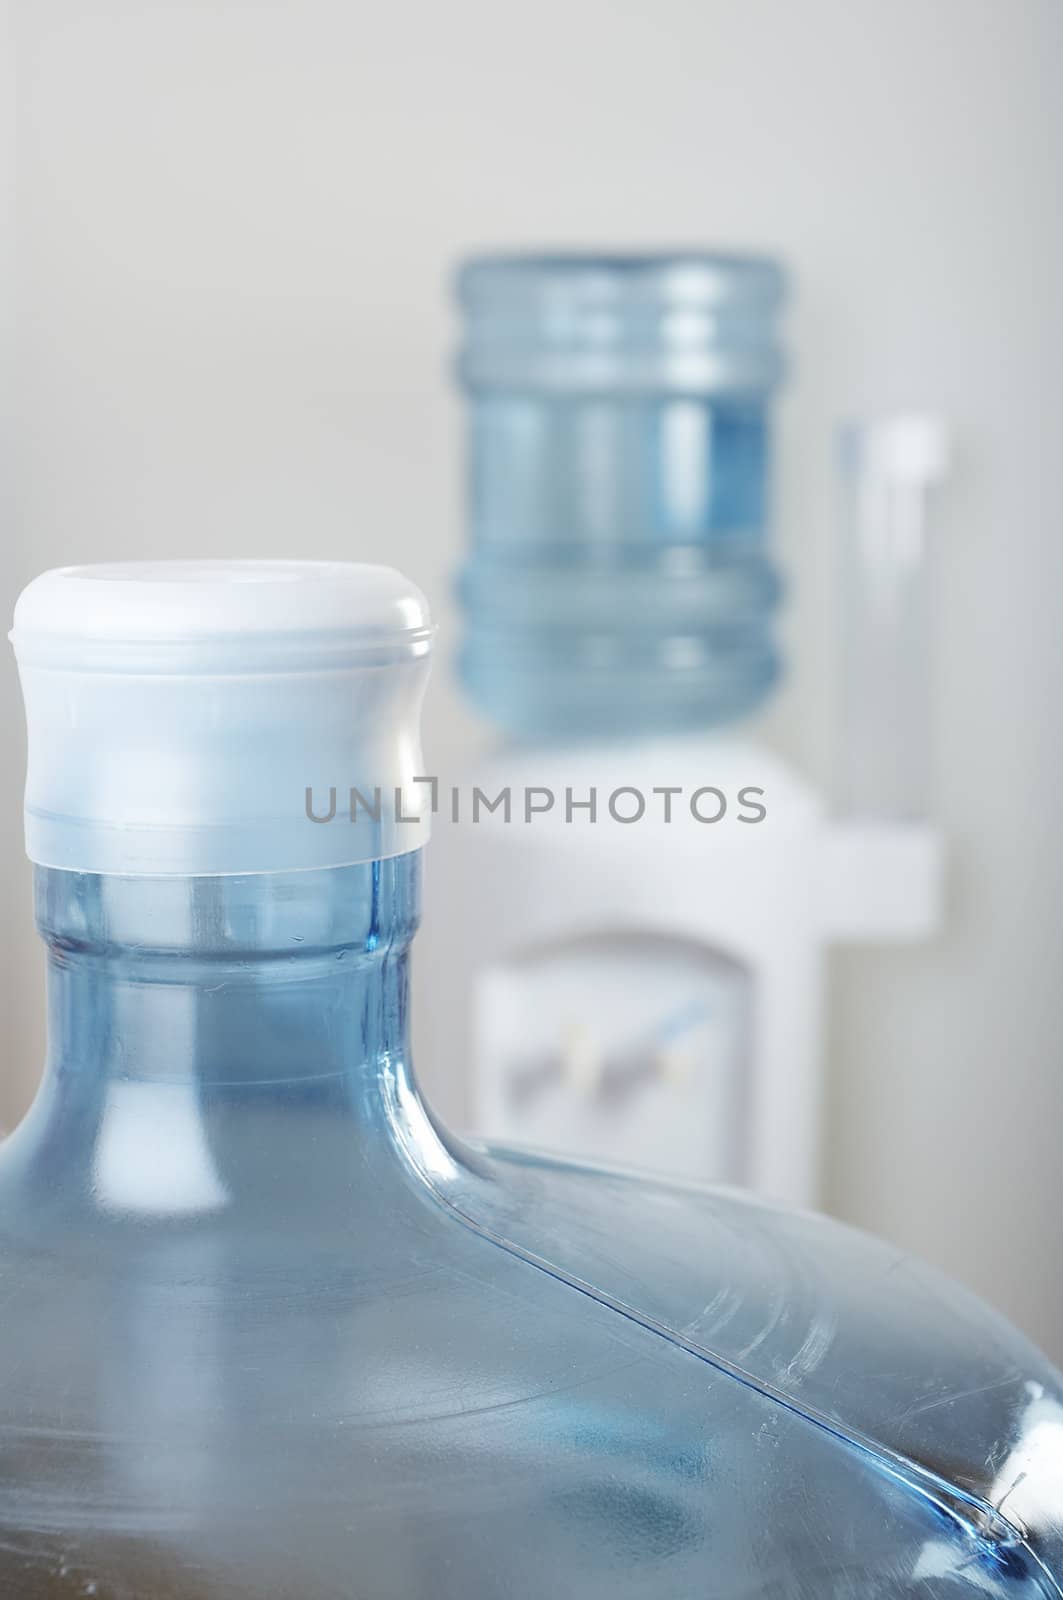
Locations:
column 228, row 238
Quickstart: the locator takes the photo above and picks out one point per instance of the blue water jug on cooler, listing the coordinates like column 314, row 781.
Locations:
column 619, row 578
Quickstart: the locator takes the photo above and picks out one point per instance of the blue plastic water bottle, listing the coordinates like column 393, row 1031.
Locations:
column 619, row 579
column 269, row 1331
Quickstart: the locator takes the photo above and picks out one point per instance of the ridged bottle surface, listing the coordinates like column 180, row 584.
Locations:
column 618, row 441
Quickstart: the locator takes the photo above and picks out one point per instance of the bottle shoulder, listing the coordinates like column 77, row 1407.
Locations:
column 442, row 1417
column 489, row 1372
column 856, row 1337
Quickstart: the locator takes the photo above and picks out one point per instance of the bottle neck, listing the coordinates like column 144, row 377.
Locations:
column 209, row 1035
column 235, row 981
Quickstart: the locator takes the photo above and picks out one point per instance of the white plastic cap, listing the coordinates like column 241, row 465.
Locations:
column 188, row 716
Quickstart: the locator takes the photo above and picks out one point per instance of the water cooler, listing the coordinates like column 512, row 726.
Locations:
column 637, row 974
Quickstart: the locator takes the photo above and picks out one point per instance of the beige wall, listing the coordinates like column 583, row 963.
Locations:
column 234, row 222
